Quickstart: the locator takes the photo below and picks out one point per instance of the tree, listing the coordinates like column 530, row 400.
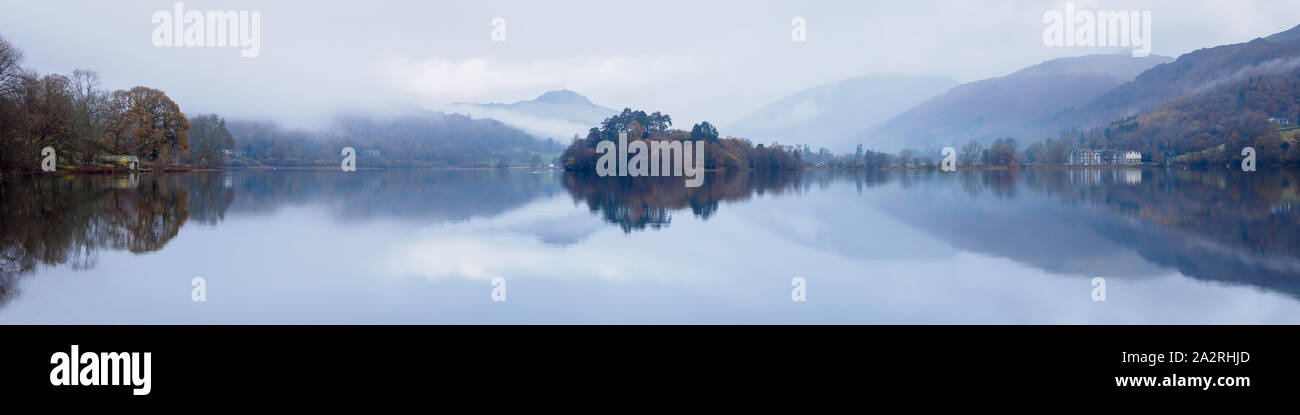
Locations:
column 704, row 131
column 146, row 123
column 87, row 115
column 970, row 153
column 42, row 115
column 11, row 80
column 1033, row 152
column 1058, row 151
column 1269, row 148
column 35, row 112
column 904, row 157
column 1235, row 142
column 209, row 139
column 658, row 122
column 721, row 153
column 1003, row 152
column 10, row 60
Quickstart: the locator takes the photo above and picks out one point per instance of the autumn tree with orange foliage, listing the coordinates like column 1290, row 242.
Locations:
column 144, row 122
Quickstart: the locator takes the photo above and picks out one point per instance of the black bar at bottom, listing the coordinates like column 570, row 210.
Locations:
column 189, row 363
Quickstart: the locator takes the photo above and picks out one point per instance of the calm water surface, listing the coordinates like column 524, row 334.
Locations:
column 414, row 246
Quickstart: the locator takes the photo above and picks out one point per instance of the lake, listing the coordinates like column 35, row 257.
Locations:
column 481, row 246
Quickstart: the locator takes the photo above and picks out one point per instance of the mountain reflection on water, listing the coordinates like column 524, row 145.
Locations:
column 1222, row 226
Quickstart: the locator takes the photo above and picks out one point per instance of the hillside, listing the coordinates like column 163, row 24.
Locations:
column 418, row 139
column 1231, row 93
column 1214, row 125
column 1005, row 106
column 1192, row 73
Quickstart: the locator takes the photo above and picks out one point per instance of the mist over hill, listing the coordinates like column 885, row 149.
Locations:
column 1192, row 73
column 835, row 114
column 417, row 138
column 555, row 114
column 1011, row 105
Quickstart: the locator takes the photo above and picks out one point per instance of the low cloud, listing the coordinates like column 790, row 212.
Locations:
column 539, row 127
column 473, row 79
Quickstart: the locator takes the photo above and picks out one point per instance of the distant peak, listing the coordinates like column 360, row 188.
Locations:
column 563, row 96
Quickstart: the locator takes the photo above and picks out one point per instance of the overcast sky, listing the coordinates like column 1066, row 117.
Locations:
column 696, row 60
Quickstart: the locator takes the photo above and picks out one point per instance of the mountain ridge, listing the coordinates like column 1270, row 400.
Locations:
column 1190, row 74
column 1004, row 105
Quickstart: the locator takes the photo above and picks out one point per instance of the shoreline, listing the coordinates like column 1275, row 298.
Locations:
column 1003, row 168
column 100, row 170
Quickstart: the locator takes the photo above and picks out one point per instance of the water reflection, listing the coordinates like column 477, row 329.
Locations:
column 1228, row 227
column 635, row 203
column 417, row 195
column 1220, row 226
column 69, row 220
